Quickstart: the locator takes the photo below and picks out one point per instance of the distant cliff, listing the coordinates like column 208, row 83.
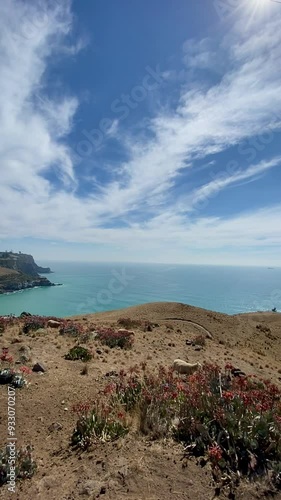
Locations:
column 22, row 262
column 18, row 271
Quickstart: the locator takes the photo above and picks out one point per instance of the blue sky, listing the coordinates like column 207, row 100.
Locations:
column 141, row 131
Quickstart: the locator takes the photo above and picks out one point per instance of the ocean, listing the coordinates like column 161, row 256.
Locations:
column 95, row 287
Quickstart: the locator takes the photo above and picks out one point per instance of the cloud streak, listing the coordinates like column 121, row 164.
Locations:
column 39, row 179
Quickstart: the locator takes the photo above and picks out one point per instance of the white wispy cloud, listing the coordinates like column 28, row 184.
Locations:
column 208, row 119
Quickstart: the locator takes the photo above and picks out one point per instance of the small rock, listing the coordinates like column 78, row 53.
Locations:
column 24, row 354
column 197, row 348
column 188, row 342
column 53, row 324
column 99, row 351
column 39, row 367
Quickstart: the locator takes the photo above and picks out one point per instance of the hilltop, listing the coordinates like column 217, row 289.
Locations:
column 19, row 271
column 135, row 466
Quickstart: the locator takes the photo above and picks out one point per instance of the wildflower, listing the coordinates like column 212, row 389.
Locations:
column 215, row 453
column 25, row 369
column 109, row 388
column 228, row 395
column 81, row 408
column 5, row 356
column 229, row 366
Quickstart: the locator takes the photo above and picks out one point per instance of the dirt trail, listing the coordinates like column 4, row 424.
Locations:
column 193, row 323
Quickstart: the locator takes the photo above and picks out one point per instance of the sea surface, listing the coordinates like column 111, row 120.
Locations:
column 88, row 288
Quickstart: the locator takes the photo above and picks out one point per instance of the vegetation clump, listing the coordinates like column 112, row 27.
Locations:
column 102, row 423
column 234, row 421
column 25, row 466
column 72, row 329
column 79, row 352
column 34, row 322
column 112, row 338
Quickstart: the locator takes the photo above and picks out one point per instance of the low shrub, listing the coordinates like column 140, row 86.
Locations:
column 101, row 423
column 234, row 421
column 33, row 323
column 112, row 338
column 79, row 352
column 72, row 329
column 25, row 466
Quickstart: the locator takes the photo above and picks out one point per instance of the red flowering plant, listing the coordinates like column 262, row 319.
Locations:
column 71, row 329
column 5, row 356
column 112, row 338
column 154, row 397
column 239, row 418
column 33, row 323
column 103, row 422
column 236, row 421
column 26, row 370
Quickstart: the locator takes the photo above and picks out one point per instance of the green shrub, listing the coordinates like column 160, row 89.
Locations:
column 102, row 423
column 79, row 352
column 71, row 329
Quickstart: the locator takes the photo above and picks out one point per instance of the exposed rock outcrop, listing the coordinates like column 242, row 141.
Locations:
column 22, row 262
column 19, row 271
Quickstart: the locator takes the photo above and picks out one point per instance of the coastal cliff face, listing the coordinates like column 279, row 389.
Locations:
column 22, row 262
column 19, row 271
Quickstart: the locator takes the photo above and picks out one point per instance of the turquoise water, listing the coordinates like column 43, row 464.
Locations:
column 100, row 287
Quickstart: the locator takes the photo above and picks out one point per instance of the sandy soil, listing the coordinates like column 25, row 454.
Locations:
column 132, row 468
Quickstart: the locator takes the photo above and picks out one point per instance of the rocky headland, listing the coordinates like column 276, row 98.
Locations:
column 19, row 271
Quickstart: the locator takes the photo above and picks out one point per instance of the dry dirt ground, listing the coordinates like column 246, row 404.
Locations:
column 132, row 468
